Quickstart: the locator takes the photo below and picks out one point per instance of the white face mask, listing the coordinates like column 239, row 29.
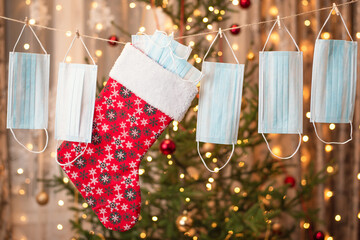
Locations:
column 75, row 101
column 333, row 85
column 219, row 103
column 280, row 92
column 28, row 91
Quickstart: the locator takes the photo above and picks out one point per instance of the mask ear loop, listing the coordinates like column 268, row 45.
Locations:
column 72, row 161
column 288, row 157
column 233, row 145
column 351, row 133
column 72, row 43
column 342, row 19
column 42, row 47
column 206, row 166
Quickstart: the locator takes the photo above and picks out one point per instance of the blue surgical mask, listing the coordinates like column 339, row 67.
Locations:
column 280, row 92
column 219, row 103
column 28, row 91
column 333, row 85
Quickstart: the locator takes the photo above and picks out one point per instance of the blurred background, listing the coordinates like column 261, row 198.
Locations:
column 314, row 195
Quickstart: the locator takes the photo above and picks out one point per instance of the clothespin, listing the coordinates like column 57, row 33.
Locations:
column 26, row 21
column 278, row 21
column 77, row 33
column 220, row 32
column 336, row 9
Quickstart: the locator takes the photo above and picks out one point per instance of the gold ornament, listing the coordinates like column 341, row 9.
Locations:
column 42, row 198
column 250, row 56
column 184, row 222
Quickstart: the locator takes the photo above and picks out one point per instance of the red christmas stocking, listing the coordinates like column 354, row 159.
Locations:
column 138, row 102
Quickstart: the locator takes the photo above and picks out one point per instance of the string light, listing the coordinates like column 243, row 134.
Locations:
column 20, row 171
column 27, row 180
column 65, row 180
column 307, row 22
column 32, row 21
column 170, row 162
column 84, row 216
column 211, row 179
column 132, row 5
column 273, row 11
column 188, row 27
column 58, row 7
column 328, row 148
column 214, row 160
column 23, row 218
column 68, row 59
column 328, row 194
column 187, row 199
column 276, row 150
column 85, row 205
column 305, row 138
column 143, row 235
column 192, row 43
column 182, row 176
column 61, row 203
column 358, row 35
column 154, row 218
column 168, row 156
column 94, row 4
column 338, row 218
column 28, row 2
column 21, row 191
column 181, row 189
column 235, row 47
column 99, row 26
column 306, row 225
column 208, row 186
column 325, row 35
column 59, row 227
column 149, row 158
column 98, row 53
column 330, row 169
column 205, row 20
column 235, row 208
column 358, row 215
column 142, row 29
column 241, row 164
column 211, row 8
column 209, row 26
column 308, row 114
column 274, row 37
column 235, row 2
column 236, row 189
column 216, row 169
column 305, row 2
column 358, row 176
column 141, row 171
column 222, row 12
column 68, row 33
column 329, row 238
column 148, row 7
column 208, row 154
column 216, row 11
column 332, row 126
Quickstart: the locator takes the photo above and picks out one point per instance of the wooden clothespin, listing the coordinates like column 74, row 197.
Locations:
column 77, row 33
column 278, row 21
column 220, row 32
column 336, row 9
column 26, row 21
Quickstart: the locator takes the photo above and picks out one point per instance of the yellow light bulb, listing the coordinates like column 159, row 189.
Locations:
column 182, row 175
column 154, row 218
column 328, row 148
column 325, row 35
column 236, row 189
column 205, row 20
column 61, row 203
column 208, row 154
column 211, row 179
column 338, row 218
column 58, row 7
column 307, row 22
column 59, row 227
column 273, row 11
column 132, row 5
column 358, row 35
column 330, row 169
column 187, row 199
column 332, row 126
column 99, row 26
column 20, row 171
column 211, row 8
column 306, row 225
column 26, row 47
column 98, row 53
column 305, row 138
column 308, row 114
column 143, row 235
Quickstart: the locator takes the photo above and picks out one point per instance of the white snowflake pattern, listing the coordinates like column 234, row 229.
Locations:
column 108, row 148
column 98, row 108
column 80, row 162
column 132, row 165
column 112, row 205
column 77, row 148
column 92, row 171
column 93, row 180
column 127, row 227
column 119, row 196
column 124, row 207
column 114, row 168
column 115, row 218
column 74, row 175
column 144, row 122
column 105, row 178
column 104, row 220
column 117, row 187
column 114, row 84
column 150, row 109
column 129, row 145
column 109, row 157
column 122, row 125
column 139, row 111
column 124, row 134
column 87, row 189
column 108, row 102
column 104, row 127
column 100, row 117
column 115, row 93
column 134, row 132
column 137, row 101
column 111, row 115
column 91, row 202
column 67, row 155
column 162, row 119
column 89, row 151
column 120, row 104
column 103, row 165
column 125, row 91
column 99, row 191
column 128, row 181
column 147, row 142
column 132, row 119
column 118, row 142
column 134, row 172
column 130, row 194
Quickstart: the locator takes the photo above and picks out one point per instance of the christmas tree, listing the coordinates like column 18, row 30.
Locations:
column 249, row 199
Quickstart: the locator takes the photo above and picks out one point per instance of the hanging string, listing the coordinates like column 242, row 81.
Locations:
column 191, row 35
